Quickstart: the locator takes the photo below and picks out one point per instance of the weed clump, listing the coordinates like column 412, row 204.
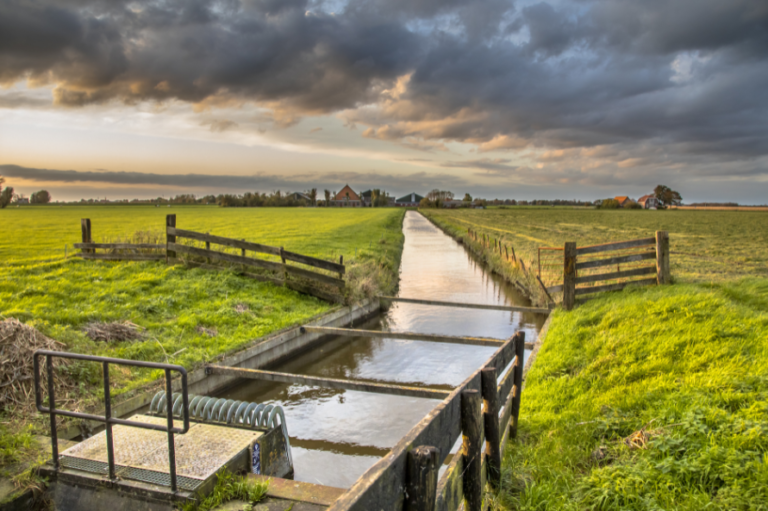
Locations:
column 18, row 343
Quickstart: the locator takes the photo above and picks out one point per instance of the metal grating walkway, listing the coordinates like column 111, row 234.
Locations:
column 142, row 454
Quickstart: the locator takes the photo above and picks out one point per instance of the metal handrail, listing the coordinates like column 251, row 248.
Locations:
column 107, row 418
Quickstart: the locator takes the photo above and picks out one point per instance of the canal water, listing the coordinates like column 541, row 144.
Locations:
column 336, row 435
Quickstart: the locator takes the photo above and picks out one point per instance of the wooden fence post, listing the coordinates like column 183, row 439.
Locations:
column 491, row 419
column 662, row 257
column 170, row 221
column 517, row 388
column 421, row 478
column 569, row 275
column 285, row 272
column 85, row 227
column 472, row 433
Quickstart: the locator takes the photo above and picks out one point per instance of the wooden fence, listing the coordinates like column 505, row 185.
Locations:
column 483, row 412
column 116, row 251
column 279, row 272
column 584, row 268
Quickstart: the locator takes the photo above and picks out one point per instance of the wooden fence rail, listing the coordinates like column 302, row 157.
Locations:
column 173, row 247
column 652, row 249
column 393, row 483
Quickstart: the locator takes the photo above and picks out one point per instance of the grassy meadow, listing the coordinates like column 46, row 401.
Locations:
column 188, row 315
column 705, row 246
column 648, row 399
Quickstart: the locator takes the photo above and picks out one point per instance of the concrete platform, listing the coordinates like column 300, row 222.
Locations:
column 142, row 454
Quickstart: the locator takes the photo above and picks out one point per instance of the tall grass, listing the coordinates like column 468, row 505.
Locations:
column 647, row 399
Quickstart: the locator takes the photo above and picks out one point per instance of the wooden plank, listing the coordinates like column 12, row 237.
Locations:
column 491, row 423
column 422, row 472
column 569, row 274
column 616, row 260
column 517, row 388
column 325, row 279
column 313, row 261
column 230, row 258
column 352, row 332
column 170, row 224
column 121, row 246
column 555, row 289
column 450, row 493
column 471, row 449
column 616, row 275
column 614, row 287
column 122, row 257
column 505, row 387
column 662, row 258
column 331, row 383
column 509, row 308
column 619, row 245
column 229, row 242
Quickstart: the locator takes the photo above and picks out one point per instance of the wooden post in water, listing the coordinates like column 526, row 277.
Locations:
column 517, row 388
column 85, row 227
column 491, row 419
column 569, row 275
column 472, row 441
column 170, row 221
column 422, row 468
column 662, row 257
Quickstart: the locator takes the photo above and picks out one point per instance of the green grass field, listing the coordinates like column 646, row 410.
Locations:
column 706, row 246
column 648, row 399
column 178, row 307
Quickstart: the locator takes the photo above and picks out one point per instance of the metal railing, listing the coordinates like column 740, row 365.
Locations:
column 107, row 418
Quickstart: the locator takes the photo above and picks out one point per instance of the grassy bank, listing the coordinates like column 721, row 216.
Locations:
column 186, row 316
column 652, row 398
column 706, row 246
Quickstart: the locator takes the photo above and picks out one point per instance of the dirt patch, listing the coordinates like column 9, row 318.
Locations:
column 114, row 332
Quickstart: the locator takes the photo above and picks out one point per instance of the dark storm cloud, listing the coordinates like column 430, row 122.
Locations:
column 686, row 75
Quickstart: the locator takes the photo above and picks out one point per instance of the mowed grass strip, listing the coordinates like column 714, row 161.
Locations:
column 646, row 399
column 188, row 316
column 705, row 246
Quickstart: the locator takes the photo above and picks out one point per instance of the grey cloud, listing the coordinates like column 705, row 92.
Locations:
column 685, row 75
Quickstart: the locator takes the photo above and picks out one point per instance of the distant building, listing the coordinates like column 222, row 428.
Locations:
column 453, row 204
column 409, row 201
column 298, row 196
column 347, row 198
column 21, row 201
column 622, row 200
column 649, row 201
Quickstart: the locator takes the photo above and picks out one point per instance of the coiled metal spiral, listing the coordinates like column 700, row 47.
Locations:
column 227, row 411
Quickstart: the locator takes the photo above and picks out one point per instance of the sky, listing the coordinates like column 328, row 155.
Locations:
column 580, row 99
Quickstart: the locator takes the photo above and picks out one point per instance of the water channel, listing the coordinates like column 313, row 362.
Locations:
column 336, row 435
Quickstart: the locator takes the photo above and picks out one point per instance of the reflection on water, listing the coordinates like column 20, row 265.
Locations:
column 338, row 434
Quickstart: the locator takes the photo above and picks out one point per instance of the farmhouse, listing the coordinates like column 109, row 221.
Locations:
column 410, row 200
column 648, row 201
column 623, row 200
column 347, row 198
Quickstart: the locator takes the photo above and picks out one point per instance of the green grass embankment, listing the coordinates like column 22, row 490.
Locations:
column 648, row 399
